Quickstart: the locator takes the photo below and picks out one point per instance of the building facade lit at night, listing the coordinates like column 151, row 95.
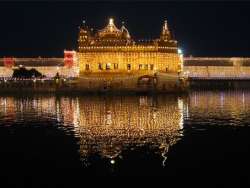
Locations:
column 111, row 59
column 114, row 50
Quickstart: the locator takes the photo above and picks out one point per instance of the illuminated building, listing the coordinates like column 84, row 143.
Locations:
column 217, row 67
column 113, row 50
column 111, row 59
column 66, row 67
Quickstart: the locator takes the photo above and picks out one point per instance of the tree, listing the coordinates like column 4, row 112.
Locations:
column 24, row 73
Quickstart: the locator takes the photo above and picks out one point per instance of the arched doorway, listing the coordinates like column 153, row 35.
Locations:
column 146, row 81
column 108, row 66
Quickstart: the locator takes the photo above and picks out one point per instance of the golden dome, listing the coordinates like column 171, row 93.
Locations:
column 110, row 30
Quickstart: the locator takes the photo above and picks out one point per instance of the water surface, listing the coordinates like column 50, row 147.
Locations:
column 204, row 134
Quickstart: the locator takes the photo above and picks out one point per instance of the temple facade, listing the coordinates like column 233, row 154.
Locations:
column 113, row 50
column 111, row 60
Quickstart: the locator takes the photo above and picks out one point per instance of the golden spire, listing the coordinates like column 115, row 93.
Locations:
column 111, row 21
column 111, row 26
column 165, row 26
column 165, row 34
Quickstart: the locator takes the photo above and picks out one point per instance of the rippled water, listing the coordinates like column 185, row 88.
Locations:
column 201, row 133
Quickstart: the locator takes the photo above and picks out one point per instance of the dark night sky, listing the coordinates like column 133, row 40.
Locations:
column 202, row 29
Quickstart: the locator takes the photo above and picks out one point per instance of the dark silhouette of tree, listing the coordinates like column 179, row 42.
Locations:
column 24, row 73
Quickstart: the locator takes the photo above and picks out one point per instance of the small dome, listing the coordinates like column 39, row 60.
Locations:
column 125, row 32
column 110, row 30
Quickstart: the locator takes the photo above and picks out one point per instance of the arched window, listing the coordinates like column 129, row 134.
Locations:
column 100, row 66
column 87, row 67
column 129, row 66
column 116, row 66
column 108, row 66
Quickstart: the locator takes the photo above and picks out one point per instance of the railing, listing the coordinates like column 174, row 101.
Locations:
column 5, row 79
column 216, row 58
column 219, row 78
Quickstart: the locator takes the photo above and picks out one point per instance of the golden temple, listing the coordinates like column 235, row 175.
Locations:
column 110, row 59
column 113, row 50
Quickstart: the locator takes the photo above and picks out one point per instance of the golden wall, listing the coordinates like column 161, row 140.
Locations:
column 149, row 62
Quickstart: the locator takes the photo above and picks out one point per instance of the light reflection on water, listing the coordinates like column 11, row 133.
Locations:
column 219, row 107
column 106, row 127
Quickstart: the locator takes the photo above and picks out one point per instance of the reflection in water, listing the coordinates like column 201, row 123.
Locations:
column 105, row 125
column 130, row 134
column 108, row 125
column 218, row 107
column 202, row 132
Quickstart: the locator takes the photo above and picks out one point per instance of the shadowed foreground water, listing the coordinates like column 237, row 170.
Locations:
column 204, row 135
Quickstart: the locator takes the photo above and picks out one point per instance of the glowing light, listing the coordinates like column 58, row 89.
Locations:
column 111, row 21
column 179, row 51
column 74, row 63
column 112, row 161
column 166, row 24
